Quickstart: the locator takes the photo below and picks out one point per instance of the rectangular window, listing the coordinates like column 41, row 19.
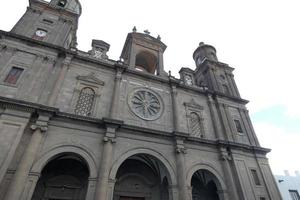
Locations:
column 262, row 198
column 294, row 194
column 255, row 177
column 238, row 126
column 47, row 21
column 13, row 75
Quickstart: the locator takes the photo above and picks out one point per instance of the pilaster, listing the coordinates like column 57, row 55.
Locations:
column 17, row 186
column 181, row 169
column 231, row 185
column 114, row 107
column 61, row 77
column 108, row 142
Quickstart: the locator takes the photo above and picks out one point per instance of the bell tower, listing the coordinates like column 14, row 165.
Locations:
column 143, row 52
column 55, row 22
column 210, row 72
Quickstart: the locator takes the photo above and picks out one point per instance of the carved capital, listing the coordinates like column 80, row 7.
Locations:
column 109, row 139
column 181, row 150
column 225, row 156
column 43, row 128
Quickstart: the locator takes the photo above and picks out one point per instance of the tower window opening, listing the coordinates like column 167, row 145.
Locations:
column 255, row 177
column 146, row 62
column 62, row 3
column 238, row 126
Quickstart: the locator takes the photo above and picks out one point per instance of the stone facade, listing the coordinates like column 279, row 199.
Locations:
column 77, row 125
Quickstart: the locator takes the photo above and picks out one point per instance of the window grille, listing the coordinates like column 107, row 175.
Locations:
column 196, row 125
column 85, row 102
column 13, row 75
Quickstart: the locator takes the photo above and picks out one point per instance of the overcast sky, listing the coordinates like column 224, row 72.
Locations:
column 259, row 38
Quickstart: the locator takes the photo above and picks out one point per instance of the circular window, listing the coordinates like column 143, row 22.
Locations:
column 145, row 104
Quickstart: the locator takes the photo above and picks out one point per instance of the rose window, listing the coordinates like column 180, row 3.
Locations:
column 145, row 104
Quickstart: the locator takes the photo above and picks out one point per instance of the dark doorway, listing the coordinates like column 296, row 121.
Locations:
column 141, row 177
column 204, row 186
column 64, row 178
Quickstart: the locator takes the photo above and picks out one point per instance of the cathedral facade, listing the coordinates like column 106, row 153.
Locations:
column 77, row 125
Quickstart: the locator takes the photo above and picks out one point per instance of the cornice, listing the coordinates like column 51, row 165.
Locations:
column 25, row 105
column 31, row 107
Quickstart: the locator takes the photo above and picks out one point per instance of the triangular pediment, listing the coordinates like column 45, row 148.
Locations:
column 193, row 104
column 91, row 78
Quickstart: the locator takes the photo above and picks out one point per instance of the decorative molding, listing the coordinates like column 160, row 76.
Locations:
column 91, row 78
column 193, row 104
column 43, row 128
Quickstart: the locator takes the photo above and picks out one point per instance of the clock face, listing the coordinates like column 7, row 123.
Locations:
column 41, row 33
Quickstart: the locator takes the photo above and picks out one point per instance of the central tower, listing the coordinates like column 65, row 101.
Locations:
column 144, row 53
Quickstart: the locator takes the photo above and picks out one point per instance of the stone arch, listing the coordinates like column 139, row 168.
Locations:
column 151, row 152
column 146, row 60
column 64, row 149
column 205, row 166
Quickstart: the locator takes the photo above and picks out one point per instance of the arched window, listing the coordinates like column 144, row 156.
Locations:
column 85, row 102
column 196, row 126
column 146, row 61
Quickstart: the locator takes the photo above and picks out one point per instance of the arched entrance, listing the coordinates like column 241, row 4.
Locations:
column 63, row 178
column 142, row 177
column 204, row 185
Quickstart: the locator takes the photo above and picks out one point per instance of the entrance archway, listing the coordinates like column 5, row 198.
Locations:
column 63, row 178
column 142, row 177
column 204, row 185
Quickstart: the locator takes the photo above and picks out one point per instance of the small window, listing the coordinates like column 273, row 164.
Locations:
column 47, row 21
column 262, row 198
column 225, row 89
column 238, row 126
column 255, row 177
column 294, row 194
column 13, row 75
column 62, row 3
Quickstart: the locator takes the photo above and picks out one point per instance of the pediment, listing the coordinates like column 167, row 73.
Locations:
column 91, row 78
column 193, row 104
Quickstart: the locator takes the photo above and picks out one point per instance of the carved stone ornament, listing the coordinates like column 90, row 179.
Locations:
column 145, row 104
column 90, row 78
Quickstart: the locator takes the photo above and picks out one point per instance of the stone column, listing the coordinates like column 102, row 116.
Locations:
column 102, row 190
column 213, row 78
column 181, row 171
column 224, row 120
column 215, row 119
column 231, row 186
column 16, row 187
column 160, row 70
column 231, row 86
column 175, row 109
column 114, row 106
column 60, row 80
column 91, row 189
column 230, row 122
